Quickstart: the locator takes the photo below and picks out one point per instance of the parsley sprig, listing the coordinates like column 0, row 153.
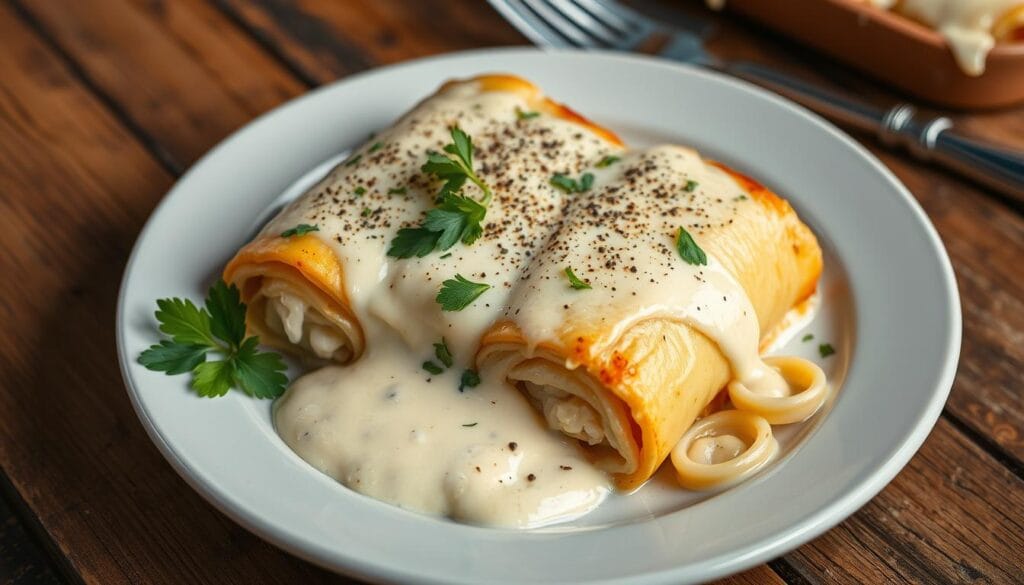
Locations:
column 457, row 217
column 219, row 326
column 457, row 293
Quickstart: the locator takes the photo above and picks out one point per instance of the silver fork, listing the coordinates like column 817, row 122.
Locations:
column 606, row 24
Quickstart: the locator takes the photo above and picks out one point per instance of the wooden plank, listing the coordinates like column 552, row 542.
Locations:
column 761, row 575
column 327, row 40
column 22, row 560
column 180, row 70
column 954, row 515
column 75, row 188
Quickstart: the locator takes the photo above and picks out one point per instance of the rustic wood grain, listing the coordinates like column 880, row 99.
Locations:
column 953, row 515
column 75, row 188
column 326, row 40
column 203, row 77
column 22, row 560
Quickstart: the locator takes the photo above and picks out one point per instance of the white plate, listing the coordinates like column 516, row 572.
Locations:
column 890, row 308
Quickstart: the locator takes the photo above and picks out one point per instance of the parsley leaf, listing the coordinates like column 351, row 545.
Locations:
column 691, row 186
column 574, row 281
column 359, row 191
column 826, row 349
column 376, row 146
column 396, row 191
column 470, row 379
column 184, row 322
column 173, row 358
column 411, row 242
column 217, row 327
column 689, row 250
column 258, row 373
column 570, row 185
column 457, row 218
column 457, row 293
column 807, row 337
column 432, row 368
column 443, row 353
column 607, row 161
column 212, row 379
column 524, row 115
column 299, row 230
column 227, row 313
column 353, row 161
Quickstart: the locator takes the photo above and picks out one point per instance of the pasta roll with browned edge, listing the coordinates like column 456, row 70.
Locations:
column 296, row 286
column 627, row 365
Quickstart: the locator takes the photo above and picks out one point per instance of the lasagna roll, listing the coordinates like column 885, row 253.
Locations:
column 307, row 277
column 625, row 357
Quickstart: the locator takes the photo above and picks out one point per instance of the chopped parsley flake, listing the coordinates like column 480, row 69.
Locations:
column 570, row 185
column 689, row 250
column 470, row 379
column 299, row 230
column 574, row 281
column 443, row 354
column 524, row 115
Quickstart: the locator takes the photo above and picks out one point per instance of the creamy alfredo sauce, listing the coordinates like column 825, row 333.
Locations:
column 387, row 428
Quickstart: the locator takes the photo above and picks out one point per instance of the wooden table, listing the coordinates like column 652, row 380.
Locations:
column 104, row 103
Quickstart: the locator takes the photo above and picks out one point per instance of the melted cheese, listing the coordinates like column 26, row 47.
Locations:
column 966, row 25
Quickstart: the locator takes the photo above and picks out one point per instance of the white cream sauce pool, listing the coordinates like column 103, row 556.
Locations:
column 388, row 429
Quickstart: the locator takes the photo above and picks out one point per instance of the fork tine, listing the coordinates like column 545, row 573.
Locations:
column 526, row 21
column 624, row 16
column 555, row 19
column 585, row 21
column 633, row 27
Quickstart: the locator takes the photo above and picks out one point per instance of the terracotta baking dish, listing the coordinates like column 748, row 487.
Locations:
column 893, row 48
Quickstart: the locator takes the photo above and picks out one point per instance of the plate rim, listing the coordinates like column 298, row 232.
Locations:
column 798, row 531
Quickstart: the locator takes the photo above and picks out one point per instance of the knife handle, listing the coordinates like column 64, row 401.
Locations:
column 934, row 140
